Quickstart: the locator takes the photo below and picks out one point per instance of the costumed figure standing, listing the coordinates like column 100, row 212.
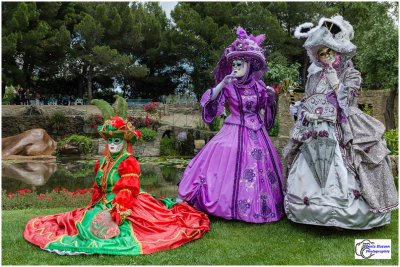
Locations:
column 122, row 218
column 237, row 175
column 336, row 166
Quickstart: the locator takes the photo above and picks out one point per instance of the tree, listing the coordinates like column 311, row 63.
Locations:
column 32, row 42
column 59, row 44
column 103, row 43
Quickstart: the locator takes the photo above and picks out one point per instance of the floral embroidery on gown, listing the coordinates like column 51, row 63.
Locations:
column 355, row 188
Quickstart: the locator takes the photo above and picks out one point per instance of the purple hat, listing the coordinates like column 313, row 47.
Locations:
column 247, row 48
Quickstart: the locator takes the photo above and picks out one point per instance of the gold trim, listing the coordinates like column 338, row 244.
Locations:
column 65, row 244
column 129, row 174
column 41, row 230
column 58, row 238
column 136, row 239
column 126, row 189
column 112, row 179
column 95, row 244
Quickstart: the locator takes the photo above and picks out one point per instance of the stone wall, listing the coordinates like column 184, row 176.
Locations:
column 152, row 148
column 12, row 125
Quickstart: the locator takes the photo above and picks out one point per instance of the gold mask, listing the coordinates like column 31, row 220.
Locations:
column 326, row 55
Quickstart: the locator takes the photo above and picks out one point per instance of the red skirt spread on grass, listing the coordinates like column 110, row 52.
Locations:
column 153, row 223
column 151, row 227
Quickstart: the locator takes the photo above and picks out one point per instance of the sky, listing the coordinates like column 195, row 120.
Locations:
column 168, row 6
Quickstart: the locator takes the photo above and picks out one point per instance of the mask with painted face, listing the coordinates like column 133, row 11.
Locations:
column 239, row 67
column 115, row 144
column 326, row 55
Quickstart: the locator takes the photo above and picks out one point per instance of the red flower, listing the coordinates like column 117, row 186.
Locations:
column 56, row 189
column 47, row 198
column 117, row 122
column 139, row 134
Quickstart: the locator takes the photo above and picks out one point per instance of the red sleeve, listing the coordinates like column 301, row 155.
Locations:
column 125, row 188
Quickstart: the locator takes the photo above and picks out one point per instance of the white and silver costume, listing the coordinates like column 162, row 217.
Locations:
column 357, row 190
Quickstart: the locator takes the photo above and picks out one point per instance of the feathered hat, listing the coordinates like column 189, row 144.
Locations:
column 116, row 123
column 335, row 33
column 247, row 48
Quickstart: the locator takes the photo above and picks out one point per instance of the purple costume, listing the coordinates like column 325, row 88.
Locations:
column 237, row 175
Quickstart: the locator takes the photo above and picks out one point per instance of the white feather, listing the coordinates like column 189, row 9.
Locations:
column 298, row 34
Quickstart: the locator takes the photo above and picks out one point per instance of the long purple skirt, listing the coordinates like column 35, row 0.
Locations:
column 237, row 175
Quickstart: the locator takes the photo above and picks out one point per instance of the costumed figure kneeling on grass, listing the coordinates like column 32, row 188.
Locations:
column 336, row 166
column 237, row 175
column 121, row 218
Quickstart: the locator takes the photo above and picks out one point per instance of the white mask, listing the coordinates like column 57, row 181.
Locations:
column 115, row 145
column 239, row 67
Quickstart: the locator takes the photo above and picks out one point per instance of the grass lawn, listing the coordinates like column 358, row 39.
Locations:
column 227, row 243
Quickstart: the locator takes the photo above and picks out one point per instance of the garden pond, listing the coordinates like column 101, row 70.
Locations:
column 159, row 176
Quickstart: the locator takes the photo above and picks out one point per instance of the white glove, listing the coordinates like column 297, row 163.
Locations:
column 271, row 89
column 331, row 76
column 294, row 108
column 297, row 135
column 310, row 116
column 227, row 79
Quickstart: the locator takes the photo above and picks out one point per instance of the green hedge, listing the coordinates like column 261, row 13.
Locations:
column 148, row 134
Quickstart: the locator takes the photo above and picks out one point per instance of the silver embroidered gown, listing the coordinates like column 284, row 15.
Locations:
column 342, row 202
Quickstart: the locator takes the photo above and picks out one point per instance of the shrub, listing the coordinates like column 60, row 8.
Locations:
column 367, row 109
column 200, row 125
column 95, row 121
column 148, row 134
column 215, row 125
column 392, row 141
column 86, row 142
column 278, row 72
column 139, row 122
column 167, row 146
column 151, row 108
column 8, row 95
column 58, row 120
column 275, row 129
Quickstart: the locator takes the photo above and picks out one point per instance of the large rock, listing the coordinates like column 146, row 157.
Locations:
column 71, row 148
column 35, row 142
column 34, row 173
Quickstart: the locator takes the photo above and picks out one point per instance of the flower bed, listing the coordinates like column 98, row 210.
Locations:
column 94, row 121
column 58, row 197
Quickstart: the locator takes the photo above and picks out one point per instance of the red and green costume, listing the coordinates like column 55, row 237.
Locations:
column 145, row 223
